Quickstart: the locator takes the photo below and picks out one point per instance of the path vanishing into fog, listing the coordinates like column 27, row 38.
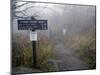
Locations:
column 67, row 59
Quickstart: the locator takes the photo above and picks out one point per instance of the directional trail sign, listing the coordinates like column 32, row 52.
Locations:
column 32, row 24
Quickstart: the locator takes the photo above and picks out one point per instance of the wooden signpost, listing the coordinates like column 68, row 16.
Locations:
column 33, row 25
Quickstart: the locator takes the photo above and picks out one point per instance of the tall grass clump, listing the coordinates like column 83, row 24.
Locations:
column 85, row 47
column 21, row 51
column 44, row 53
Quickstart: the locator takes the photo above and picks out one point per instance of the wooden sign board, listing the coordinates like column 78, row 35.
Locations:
column 32, row 24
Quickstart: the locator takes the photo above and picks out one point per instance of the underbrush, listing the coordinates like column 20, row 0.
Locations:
column 85, row 47
column 44, row 54
column 22, row 52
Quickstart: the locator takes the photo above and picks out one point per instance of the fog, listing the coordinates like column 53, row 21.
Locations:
column 72, row 18
column 69, row 41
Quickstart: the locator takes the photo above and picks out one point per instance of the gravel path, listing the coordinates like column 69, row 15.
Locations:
column 68, row 59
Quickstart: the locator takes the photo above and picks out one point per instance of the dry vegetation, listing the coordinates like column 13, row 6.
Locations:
column 22, row 52
column 44, row 53
column 85, row 47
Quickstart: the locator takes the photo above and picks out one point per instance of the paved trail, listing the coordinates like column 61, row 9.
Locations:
column 68, row 59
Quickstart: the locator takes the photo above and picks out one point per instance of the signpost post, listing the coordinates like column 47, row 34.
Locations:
column 33, row 25
column 33, row 38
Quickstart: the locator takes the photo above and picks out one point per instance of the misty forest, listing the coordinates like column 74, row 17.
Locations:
column 68, row 44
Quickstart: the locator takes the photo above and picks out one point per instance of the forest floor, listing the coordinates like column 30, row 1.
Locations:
column 68, row 59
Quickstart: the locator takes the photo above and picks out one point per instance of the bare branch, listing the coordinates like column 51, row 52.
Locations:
column 27, row 8
column 21, row 17
column 20, row 5
column 35, row 6
column 23, row 11
column 28, row 1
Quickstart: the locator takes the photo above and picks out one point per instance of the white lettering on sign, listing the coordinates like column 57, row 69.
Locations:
column 33, row 35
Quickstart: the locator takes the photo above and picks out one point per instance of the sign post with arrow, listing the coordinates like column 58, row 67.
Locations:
column 33, row 26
